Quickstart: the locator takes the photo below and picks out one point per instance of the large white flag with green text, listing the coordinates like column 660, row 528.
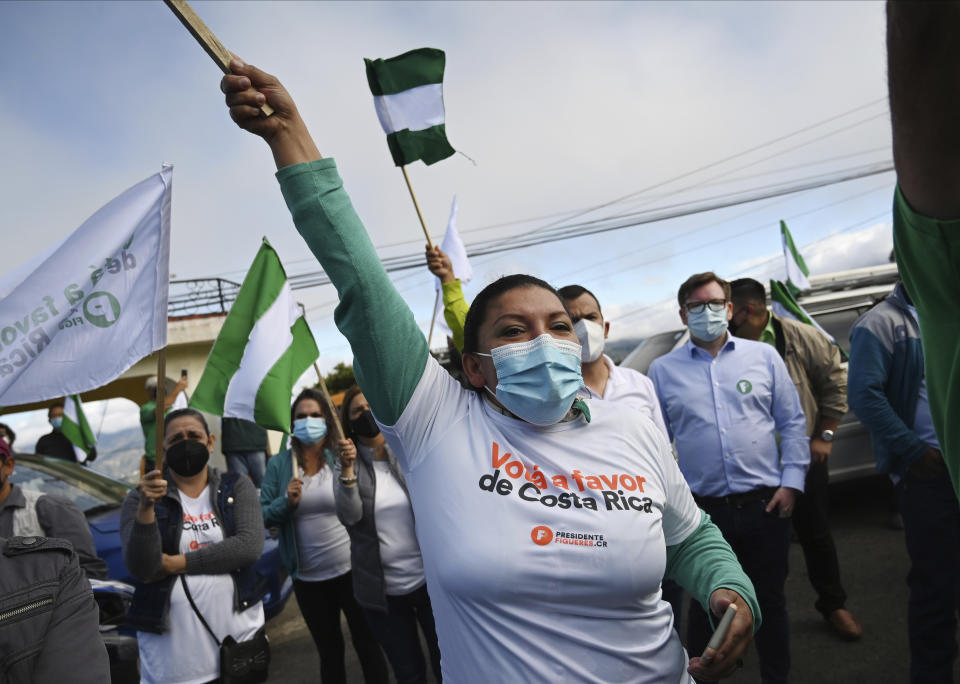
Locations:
column 79, row 314
column 262, row 350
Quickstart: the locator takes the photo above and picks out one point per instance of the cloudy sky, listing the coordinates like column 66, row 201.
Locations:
column 563, row 106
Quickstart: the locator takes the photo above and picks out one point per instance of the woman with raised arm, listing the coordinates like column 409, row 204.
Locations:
column 191, row 536
column 545, row 528
column 297, row 496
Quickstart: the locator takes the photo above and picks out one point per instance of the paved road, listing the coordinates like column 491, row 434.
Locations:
column 874, row 565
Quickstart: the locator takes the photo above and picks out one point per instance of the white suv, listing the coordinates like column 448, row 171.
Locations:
column 836, row 301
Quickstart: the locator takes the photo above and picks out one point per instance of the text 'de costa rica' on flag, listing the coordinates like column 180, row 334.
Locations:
column 408, row 95
column 262, row 350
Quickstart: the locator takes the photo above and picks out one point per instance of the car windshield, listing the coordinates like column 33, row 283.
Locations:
column 86, row 498
column 651, row 349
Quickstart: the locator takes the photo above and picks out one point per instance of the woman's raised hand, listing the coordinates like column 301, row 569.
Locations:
column 152, row 488
column 347, row 452
column 246, row 89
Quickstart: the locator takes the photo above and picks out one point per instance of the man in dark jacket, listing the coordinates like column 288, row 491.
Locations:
column 29, row 513
column 888, row 392
column 56, row 636
column 55, row 443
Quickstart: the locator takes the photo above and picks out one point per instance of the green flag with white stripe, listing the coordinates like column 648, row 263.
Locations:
column 262, row 350
column 408, row 94
column 785, row 305
column 797, row 270
column 76, row 428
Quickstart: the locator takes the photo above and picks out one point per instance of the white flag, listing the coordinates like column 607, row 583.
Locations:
column 797, row 270
column 453, row 247
column 85, row 311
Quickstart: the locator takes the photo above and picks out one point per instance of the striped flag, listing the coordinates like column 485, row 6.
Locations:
column 76, row 428
column 785, row 305
column 261, row 352
column 408, row 94
column 797, row 270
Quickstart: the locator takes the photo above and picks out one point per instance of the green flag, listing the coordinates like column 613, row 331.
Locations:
column 408, row 94
column 262, row 350
column 797, row 270
column 785, row 305
column 76, row 428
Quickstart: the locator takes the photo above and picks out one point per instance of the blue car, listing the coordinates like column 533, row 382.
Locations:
column 100, row 498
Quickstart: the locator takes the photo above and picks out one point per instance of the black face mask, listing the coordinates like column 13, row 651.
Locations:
column 365, row 426
column 187, row 458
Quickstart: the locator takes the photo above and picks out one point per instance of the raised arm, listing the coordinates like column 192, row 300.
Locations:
column 924, row 72
column 455, row 307
column 389, row 350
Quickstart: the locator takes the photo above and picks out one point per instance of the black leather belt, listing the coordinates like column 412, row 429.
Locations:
column 736, row 500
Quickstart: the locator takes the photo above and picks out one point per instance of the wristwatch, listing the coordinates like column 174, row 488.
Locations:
column 827, row 435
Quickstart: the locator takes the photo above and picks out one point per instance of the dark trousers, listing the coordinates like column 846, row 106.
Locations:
column 396, row 630
column 761, row 541
column 931, row 525
column 321, row 603
column 813, row 531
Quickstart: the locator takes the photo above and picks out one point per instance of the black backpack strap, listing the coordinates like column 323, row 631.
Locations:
column 196, row 610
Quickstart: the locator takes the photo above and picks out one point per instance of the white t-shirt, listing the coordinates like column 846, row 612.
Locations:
column 399, row 551
column 634, row 389
column 323, row 545
column 544, row 547
column 186, row 653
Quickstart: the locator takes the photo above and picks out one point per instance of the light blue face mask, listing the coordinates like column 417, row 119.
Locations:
column 707, row 325
column 310, row 430
column 56, row 423
column 537, row 380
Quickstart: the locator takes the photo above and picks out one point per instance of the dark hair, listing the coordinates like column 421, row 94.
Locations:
column 10, row 433
column 317, row 396
column 183, row 413
column 699, row 280
column 570, row 292
column 478, row 307
column 54, row 405
column 744, row 290
column 348, row 398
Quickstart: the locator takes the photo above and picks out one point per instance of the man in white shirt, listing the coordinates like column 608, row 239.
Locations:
column 604, row 379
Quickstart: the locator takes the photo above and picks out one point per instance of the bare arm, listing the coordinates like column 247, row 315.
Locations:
column 924, row 74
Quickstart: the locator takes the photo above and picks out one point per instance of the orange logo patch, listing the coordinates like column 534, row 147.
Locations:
column 541, row 535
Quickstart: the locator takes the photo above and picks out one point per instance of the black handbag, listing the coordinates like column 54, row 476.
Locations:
column 241, row 662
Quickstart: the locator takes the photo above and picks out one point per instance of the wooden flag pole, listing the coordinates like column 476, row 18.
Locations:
column 433, row 319
column 207, row 40
column 416, row 205
column 337, row 432
column 161, row 397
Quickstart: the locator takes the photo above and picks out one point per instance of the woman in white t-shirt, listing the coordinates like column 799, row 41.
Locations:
column 546, row 525
column 388, row 579
column 296, row 495
column 198, row 527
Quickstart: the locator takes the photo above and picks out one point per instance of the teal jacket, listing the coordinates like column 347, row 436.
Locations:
column 273, row 503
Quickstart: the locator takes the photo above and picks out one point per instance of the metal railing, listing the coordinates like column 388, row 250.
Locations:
column 201, row 296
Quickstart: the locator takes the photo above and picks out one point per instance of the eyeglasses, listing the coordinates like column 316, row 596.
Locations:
column 716, row 305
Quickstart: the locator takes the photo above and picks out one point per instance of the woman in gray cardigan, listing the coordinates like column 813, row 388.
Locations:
column 388, row 580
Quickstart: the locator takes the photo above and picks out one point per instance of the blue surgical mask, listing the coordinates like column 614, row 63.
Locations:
column 56, row 423
column 707, row 325
column 310, row 430
column 537, row 380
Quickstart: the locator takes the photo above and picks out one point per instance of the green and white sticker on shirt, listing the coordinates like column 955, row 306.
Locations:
column 408, row 95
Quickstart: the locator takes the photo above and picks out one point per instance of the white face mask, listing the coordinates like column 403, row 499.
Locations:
column 590, row 335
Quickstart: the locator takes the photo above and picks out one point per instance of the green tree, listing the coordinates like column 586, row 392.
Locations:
column 340, row 378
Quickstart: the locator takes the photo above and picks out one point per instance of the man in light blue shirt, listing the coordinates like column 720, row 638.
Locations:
column 725, row 401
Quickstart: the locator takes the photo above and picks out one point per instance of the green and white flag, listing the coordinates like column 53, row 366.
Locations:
column 76, row 428
column 797, row 270
column 408, row 94
column 262, row 350
column 786, row 306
